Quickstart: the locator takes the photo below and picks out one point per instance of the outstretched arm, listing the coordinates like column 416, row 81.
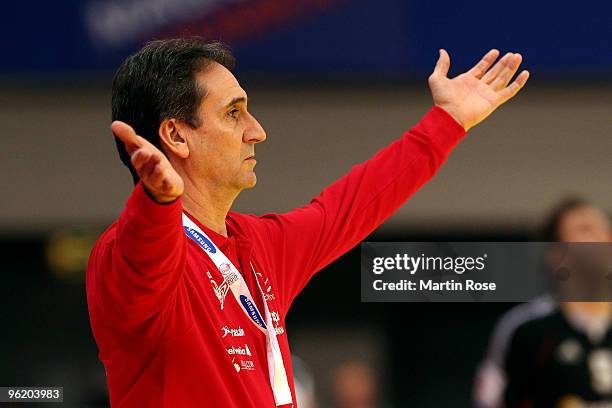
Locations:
column 140, row 273
column 351, row 208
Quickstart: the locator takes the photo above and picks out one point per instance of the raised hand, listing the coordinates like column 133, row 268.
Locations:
column 475, row 94
column 160, row 179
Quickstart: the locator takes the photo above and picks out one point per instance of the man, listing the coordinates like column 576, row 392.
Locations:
column 188, row 300
column 547, row 354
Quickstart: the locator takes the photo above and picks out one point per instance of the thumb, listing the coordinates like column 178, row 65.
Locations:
column 443, row 64
column 126, row 134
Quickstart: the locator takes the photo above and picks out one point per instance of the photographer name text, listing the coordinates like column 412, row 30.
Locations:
column 431, row 264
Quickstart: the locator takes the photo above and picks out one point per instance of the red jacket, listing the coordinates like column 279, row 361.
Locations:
column 163, row 337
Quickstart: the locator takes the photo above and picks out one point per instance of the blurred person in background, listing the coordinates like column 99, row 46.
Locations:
column 549, row 354
column 356, row 385
column 188, row 300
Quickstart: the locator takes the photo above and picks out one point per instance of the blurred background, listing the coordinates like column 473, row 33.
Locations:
column 332, row 81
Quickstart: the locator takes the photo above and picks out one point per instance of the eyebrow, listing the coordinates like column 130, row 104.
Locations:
column 236, row 100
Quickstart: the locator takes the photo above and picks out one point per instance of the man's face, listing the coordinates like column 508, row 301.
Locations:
column 592, row 262
column 222, row 148
column 584, row 224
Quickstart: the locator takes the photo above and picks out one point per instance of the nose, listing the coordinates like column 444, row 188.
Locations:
column 254, row 132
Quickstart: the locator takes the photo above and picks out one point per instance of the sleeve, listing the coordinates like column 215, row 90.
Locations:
column 491, row 379
column 504, row 377
column 147, row 259
column 309, row 238
column 489, row 385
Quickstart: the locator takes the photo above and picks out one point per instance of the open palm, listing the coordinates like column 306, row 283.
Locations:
column 475, row 94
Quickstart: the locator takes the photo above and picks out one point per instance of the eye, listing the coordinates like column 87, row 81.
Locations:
column 233, row 113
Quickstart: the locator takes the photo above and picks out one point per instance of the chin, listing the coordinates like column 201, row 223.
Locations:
column 250, row 182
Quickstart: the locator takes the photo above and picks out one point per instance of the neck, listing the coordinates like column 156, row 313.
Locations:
column 209, row 205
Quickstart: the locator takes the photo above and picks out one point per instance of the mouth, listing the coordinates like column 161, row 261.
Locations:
column 251, row 157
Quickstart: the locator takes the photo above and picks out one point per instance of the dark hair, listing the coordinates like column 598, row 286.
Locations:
column 158, row 82
column 550, row 230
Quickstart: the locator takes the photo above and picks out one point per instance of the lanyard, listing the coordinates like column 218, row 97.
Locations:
column 240, row 291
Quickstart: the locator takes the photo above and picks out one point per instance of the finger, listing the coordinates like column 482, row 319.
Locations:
column 161, row 181
column 443, row 64
column 143, row 159
column 127, row 135
column 493, row 73
column 156, row 178
column 148, row 168
column 507, row 73
column 511, row 90
column 484, row 64
column 139, row 158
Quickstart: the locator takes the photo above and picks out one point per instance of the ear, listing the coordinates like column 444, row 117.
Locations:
column 171, row 139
